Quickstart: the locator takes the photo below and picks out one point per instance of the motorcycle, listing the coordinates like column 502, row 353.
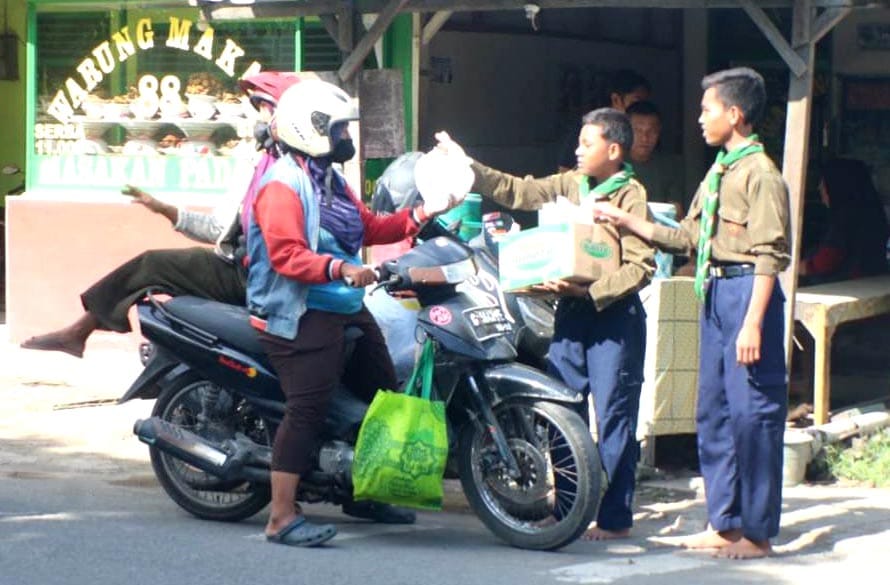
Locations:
column 531, row 315
column 525, row 458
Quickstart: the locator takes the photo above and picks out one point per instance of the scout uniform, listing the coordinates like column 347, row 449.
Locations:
column 743, row 204
column 599, row 340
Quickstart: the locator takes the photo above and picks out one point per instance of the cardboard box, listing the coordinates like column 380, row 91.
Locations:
column 575, row 251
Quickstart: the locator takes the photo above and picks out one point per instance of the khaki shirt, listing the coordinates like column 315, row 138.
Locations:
column 753, row 218
column 637, row 256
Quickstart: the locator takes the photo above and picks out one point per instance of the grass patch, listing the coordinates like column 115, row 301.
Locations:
column 865, row 460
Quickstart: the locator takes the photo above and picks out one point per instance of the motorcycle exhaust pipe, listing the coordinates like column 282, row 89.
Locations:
column 196, row 450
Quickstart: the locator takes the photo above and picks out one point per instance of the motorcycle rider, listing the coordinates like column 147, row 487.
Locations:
column 217, row 274
column 306, row 282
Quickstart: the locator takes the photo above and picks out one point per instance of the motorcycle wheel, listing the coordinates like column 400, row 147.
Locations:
column 215, row 414
column 555, row 497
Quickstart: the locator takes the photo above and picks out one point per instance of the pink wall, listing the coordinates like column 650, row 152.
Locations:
column 56, row 249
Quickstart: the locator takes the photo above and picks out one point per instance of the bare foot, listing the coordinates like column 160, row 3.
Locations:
column 710, row 539
column 56, row 341
column 596, row 533
column 745, row 549
column 275, row 525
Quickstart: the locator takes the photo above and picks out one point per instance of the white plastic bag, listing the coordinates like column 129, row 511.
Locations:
column 442, row 178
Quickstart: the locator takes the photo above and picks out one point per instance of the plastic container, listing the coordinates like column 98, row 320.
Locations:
column 469, row 212
column 798, row 451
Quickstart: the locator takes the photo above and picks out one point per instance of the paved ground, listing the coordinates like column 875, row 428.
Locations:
column 59, row 421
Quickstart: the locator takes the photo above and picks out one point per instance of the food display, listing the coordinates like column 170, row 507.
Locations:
column 233, row 105
column 203, row 84
column 168, row 117
column 201, row 106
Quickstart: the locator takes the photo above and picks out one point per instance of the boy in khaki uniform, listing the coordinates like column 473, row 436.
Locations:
column 600, row 331
column 738, row 225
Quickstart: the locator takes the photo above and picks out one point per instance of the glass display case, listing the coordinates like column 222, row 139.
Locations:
column 148, row 97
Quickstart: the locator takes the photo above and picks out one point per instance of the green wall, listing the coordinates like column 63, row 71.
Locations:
column 12, row 101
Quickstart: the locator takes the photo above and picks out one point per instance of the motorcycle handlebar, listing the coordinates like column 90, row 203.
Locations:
column 382, row 277
column 351, row 281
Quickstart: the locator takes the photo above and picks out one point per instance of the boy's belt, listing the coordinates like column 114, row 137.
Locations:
column 730, row 270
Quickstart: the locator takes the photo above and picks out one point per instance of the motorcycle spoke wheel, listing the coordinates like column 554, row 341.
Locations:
column 554, row 497
column 216, row 415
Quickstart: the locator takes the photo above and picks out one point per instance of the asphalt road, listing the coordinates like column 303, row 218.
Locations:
column 79, row 505
column 86, row 530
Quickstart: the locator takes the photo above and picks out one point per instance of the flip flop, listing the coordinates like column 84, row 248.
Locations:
column 301, row 532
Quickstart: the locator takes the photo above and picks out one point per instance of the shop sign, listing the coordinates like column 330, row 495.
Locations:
column 57, row 138
column 123, row 44
column 201, row 174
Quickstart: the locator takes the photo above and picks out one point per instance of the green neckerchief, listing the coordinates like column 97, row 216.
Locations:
column 610, row 185
column 709, row 208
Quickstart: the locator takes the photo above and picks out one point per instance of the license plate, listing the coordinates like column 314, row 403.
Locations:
column 487, row 322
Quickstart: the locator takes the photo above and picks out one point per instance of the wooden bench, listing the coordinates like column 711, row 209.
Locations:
column 821, row 308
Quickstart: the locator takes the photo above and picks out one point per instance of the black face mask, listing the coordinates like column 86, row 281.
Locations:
column 263, row 135
column 343, row 151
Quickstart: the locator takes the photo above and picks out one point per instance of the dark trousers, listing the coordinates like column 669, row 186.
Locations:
column 190, row 271
column 309, row 368
column 601, row 354
column 741, row 412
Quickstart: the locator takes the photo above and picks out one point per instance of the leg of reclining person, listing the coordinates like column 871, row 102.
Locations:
column 190, row 271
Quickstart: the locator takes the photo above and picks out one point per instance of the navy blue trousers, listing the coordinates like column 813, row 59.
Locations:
column 601, row 354
column 741, row 412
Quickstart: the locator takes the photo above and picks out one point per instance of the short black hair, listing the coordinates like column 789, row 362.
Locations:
column 741, row 87
column 615, row 125
column 625, row 81
column 643, row 108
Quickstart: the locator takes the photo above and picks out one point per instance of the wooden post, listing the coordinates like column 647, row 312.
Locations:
column 794, row 162
column 822, row 334
column 436, row 22
column 416, row 35
column 806, row 31
column 345, row 27
column 353, row 63
column 346, row 41
column 695, row 66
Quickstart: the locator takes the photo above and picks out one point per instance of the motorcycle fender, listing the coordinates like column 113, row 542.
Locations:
column 161, row 366
column 514, row 380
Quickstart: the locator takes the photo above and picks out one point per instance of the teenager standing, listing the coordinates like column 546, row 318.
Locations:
column 738, row 227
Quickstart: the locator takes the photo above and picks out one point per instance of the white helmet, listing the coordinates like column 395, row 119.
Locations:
column 307, row 110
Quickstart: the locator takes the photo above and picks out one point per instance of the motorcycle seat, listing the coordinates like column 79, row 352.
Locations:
column 231, row 323
column 228, row 322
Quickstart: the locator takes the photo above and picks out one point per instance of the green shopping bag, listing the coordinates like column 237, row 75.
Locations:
column 402, row 445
